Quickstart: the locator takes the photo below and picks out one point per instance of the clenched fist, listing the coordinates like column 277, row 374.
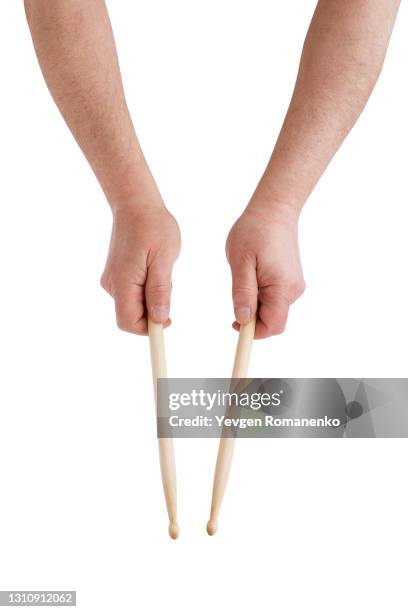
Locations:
column 262, row 250
column 144, row 246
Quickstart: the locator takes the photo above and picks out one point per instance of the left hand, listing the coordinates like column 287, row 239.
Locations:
column 263, row 252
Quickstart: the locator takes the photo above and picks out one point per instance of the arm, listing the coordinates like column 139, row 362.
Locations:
column 342, row 58
column 75, row 47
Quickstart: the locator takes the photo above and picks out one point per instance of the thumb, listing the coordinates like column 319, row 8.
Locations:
column 244, row 291
column 158, row 289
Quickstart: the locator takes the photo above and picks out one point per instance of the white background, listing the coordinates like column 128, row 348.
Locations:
column 306, row 525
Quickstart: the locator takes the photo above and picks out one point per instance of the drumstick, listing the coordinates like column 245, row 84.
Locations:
column 226, row 447
column 166, row 448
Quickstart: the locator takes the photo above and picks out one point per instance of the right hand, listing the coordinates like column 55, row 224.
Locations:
column 144, row 245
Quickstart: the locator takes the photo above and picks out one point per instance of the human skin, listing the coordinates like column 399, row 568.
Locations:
column 75, row 47
column 342, row 58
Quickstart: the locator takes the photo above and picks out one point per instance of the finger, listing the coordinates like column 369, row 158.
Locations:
column 244, row 291
column 130, row 309
column 158, row 289
column 273, row 310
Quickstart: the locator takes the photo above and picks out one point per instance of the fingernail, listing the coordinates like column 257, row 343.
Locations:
column 160, row 313
column 242, row 314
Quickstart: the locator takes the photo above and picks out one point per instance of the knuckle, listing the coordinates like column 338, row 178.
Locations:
column 301, row 288
column 128, row 324
column 277, row 328
column 242, row 292
column 287, row 287
column 105, row 283
column 296, row 288
column 123, row 323
column 241, row 257
column 158, row 289
column 123, row 318
column 230, row 250
column 160, row 286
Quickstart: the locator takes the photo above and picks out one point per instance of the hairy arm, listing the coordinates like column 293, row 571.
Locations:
column 75, row 47
column 342, row 58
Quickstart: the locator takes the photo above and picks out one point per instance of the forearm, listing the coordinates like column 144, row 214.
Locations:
column 76, row 50
column 342, row 58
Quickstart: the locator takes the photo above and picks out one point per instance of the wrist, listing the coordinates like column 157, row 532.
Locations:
column 277, row 198
column 142, row 197
column 132, row 187
column 270, row 210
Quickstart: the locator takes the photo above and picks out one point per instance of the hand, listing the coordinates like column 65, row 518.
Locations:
column 143, row 248
column 262, row 250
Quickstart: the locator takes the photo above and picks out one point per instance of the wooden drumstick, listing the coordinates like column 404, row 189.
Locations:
column 166, row 448
column 226, row 447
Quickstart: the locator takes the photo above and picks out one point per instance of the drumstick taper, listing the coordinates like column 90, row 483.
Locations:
column 166, row 447
column 226, row 447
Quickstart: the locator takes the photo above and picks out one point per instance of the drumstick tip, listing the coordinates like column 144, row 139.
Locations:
column 174, row 530
column 212, row 527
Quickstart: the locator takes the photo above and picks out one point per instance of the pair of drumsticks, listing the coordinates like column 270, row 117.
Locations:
column 166, row 448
